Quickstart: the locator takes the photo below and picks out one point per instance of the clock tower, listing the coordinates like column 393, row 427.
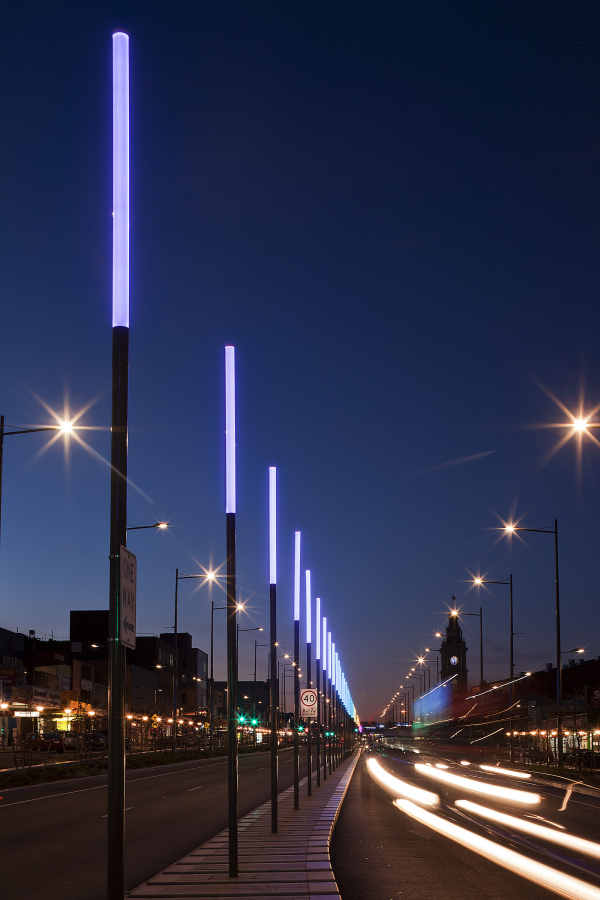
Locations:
column 453, row 652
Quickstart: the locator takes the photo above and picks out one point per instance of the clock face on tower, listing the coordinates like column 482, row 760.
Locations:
column 454, row 660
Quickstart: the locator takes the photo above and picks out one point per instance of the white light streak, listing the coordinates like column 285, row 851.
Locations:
column 546, row 876
column 479, row 787
column 570, row 841
column 325, row 657
column 399, row 788
column 506, row 772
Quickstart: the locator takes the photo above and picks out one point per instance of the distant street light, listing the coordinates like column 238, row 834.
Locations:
column 209, row 576
column 437, row 670
column 478, row 582
column 510, row 529
column 480, row 614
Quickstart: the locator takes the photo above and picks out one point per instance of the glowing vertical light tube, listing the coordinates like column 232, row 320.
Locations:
column 329, row 654
column 324, row 643
column 120, row 42
column 308, row 609
column 297, row 576
column 333, row 663
column 318, row 628
column 273, row 525
column 229, row 429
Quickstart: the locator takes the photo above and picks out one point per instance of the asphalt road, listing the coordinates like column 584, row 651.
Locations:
column 378, row 851
column 53, row 837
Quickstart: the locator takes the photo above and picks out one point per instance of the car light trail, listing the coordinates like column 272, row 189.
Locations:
column 479, row 787
column 547, row 834
column 546, row 876
column 398, row 787
column 506, row 772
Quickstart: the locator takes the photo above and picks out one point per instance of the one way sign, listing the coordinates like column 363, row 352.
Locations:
column 127, row 594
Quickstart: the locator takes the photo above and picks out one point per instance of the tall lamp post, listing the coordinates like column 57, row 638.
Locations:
column 296, row 670
column 325, row 713
column 437, row 669
column 422, row 663
column 273, row 640
column 318, row 668
column 509, row 530
column 308, row 681
column 210, row 577
column 480, row 614
column 478, row 581
column 118, row 467
column 232, row 673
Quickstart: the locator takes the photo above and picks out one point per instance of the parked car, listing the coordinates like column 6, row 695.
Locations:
column 72, row 740
column 95, row 740
column 583, row 759
column 48, row 740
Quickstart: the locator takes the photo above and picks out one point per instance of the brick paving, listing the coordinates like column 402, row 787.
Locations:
column 294, row 863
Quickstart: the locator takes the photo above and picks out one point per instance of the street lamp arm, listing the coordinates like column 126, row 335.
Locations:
column 181, row 577
column 30, row 430
column 520, row 528
column 141, row 527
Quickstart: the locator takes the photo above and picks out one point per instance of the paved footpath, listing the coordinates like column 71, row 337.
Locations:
column 292, row 863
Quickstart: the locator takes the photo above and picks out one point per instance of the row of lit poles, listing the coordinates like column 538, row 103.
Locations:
column 510, row 529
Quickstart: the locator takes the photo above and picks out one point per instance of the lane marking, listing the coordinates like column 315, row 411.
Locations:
column 127, row 782
column 196, row 788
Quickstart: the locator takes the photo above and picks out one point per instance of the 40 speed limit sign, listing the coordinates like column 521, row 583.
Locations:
column 308, row 704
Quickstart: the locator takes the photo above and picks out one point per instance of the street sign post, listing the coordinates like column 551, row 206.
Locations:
column 127, row 590
column 308, row 703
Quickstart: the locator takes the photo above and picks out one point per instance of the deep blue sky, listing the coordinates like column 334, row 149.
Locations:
column 391, row 209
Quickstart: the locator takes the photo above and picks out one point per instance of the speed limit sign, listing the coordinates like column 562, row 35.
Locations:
column 308, row 704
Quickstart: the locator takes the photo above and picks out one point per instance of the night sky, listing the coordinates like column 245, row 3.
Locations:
column 391, row 210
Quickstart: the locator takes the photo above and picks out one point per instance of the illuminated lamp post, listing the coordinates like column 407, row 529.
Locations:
column 118, row 460
column 308, row 682
column 422, row 662
column 296, row 670
column 210, row 577
column 478, row 581
column 324, row 707
column 332, row 697
column 330, row 705
column 480, row 614
column 318, row 668
column 437, row 669
column 273, row 641
column 411, row 710
column 232, row 606
column 509, row 530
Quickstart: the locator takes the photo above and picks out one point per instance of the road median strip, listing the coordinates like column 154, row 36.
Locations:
column 292, row 863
